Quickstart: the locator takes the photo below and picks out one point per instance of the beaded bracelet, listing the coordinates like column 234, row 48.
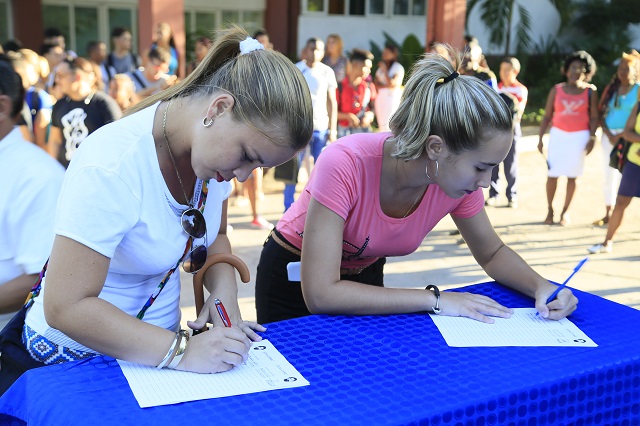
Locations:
column 167, row 357
column 182, row 347
column 436, row 309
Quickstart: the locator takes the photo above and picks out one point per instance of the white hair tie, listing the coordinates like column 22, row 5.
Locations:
column 249, row 45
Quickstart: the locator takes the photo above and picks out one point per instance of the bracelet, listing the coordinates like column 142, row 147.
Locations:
column 167, row 357
column 182, row 347
column 436, row 309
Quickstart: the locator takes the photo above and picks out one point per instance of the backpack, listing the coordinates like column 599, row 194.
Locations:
column 32, row 104
column 134, row 59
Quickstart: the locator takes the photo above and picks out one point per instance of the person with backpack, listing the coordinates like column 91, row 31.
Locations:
column 619, row 97
column 36, row 112
column 122, row 58
column 97, row 54
column 572, row 112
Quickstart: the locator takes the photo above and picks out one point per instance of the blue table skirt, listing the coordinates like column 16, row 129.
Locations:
column 380, row 370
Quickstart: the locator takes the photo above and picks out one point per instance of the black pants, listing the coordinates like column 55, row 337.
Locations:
column 14, row 357
column 277, row 298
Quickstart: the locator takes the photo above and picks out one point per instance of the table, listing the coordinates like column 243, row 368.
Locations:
column 377, row 370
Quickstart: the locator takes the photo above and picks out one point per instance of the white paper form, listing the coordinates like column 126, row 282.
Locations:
column 524, row 328
column 265, row 369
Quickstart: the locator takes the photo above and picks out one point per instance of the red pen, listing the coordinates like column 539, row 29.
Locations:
column 223, row 313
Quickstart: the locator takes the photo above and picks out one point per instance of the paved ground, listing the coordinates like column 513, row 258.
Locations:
column 444, row 260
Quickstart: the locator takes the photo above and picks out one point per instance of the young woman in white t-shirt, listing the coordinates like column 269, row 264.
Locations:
column 133, row 203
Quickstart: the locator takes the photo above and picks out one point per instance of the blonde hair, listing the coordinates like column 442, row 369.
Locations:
column 338, row 41
column 270, row 93
column 633, row 60
column 461, row 111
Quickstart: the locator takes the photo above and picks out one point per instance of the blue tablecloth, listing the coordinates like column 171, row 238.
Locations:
column 377, row 370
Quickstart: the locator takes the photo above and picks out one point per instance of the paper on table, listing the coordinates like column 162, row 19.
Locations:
column 524, row 328
column 266, row 369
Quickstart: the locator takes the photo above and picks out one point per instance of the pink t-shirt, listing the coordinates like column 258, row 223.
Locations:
column 570, row 112
column 346, row 180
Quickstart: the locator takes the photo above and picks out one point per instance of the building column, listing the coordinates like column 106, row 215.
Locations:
column 445, row 21
column 281, row 22
column 28, row 23
column 152, row 12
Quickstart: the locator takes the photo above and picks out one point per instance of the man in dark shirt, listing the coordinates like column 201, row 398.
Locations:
column 80, row 112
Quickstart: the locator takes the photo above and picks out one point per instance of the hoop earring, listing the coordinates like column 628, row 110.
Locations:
column 207, row 124
column 427, row 170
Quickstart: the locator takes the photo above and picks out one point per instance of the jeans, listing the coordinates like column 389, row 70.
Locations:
column 318, row 142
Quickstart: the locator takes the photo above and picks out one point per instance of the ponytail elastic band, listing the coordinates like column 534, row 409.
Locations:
column 448, row 78
column 249, row 45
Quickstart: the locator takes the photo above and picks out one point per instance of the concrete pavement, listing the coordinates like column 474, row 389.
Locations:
column 445, row 260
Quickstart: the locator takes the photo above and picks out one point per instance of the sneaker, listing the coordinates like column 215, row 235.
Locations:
column 513, row 204
column 491, row 201
column 241, row 201
column 600, row 248
column 261, row 223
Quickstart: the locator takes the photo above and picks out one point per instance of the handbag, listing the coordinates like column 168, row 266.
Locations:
column 618, row 156
column 288, row 172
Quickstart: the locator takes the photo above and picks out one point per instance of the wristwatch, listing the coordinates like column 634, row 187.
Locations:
column 436, row 309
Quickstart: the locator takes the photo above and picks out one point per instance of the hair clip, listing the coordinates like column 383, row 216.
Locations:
column 448, row 78
column 249, row 45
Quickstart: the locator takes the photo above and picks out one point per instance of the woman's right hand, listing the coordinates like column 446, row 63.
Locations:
column 540, row 146
column 475, row 306
column 216, row 350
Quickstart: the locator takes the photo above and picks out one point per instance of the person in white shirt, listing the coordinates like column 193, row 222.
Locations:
column 148, row 193
column 322, row 85
column 388, row 80
column 31, row 180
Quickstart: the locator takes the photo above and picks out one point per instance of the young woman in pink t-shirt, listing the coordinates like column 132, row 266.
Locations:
column 376, row 195
column 572, row 111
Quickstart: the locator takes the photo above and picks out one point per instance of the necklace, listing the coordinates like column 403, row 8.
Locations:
column 413, row 205
column 175, row 167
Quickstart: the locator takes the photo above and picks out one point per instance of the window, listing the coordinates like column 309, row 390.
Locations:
column 336, row 7
column 205, row 24
column 376, row 7
column 356, row 7
column 366, row 7
column 82, row 24
column 315, row 5
column 252, row 21
column 400, row 7
column 86, row 28
column 419, row 8
column 5, row 31
column 409, row 7
column 59, row 17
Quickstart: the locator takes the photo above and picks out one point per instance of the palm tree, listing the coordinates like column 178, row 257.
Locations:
column 497, row 15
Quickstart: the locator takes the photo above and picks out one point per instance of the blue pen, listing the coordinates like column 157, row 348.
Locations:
column 564, row 284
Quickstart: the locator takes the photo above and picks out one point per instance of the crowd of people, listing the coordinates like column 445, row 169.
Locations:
column 150, row 157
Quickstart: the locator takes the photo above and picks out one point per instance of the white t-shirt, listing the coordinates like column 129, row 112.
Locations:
column 320, row 80
column 115, row 201
column 396, row 69
column 30, row 180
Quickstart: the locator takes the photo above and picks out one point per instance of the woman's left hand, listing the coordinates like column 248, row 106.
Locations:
column 562, row 306
column 249, row 328
column 210, row 315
